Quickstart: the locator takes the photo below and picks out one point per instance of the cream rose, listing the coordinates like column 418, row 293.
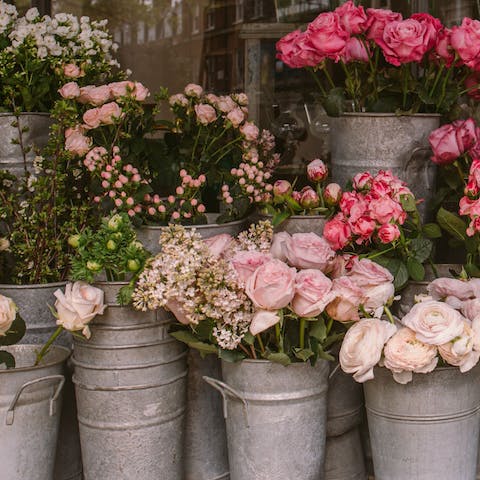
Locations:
column 434, row 323
column 362, row 347
column 308, row 250
column 8, row 312
column 375, row 297
column 454, row 291
column 405, row 354
column 79, row 304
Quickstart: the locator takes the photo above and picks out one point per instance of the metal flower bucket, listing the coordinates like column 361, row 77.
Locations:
column 30, row 406
column 130, row 383
column 299, row 223
column 427, row 429
column 275, row 418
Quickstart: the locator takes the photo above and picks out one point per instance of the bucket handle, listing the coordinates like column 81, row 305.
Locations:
column 226, row 391
column 412, row 159
column 11, row 408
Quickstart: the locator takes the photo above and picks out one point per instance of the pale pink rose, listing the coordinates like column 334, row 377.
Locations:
column 405, row 354
column 471, row 309
column 466, row 42
column 348, row 297
column 332, row 194
column 94, row 95
column 362, row 347
column 109, row 113
column 388, row 233
column 278, row 248
column 312, row 293
column 272, row 285
column 282, row 188
column 219, row 244
column 317, row 171
column 353, row 19
column 308, row 250
column 178, row 99
column 367, row 273
column 460, row 352
column 236, row 116
column 205, row 113
column 141, row 92
column 241, row 99
column 338, row 233
column 121, row 89
column 246, row 262
column 70, row 90
column 434, row 322
column 8, row 312
column 451, row 288
column 78, row 306
column 338, row 266
column 309, row 198
column 226, row 104
column 376, row 297
column 72, row 71
column 193, row 90
column 91, row 118
column 362, row 180
column 77, row 143
column 262, row 320
column 355, row 51
column 176, row 307
column 250, row 131
column 377, row 18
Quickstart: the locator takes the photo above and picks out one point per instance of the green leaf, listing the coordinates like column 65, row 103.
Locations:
column 203, row 330
column 471, row 244
column 325, row 355
column 231, row 356
column 422, row 248
column 318, row 330
column 15, row 333
column 249, row 338
column 472, row 270
column 408, row 203
column 281, row 358
column 303, row 354
column 192, row 341
column 432, row 230
column 415, row 269
column 7, row 358
column 397, row 268
column 452, row 223
column 280, row 217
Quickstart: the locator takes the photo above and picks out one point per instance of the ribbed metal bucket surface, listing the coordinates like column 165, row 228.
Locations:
column 427, row 429
column 130, row 381
column 30, row 408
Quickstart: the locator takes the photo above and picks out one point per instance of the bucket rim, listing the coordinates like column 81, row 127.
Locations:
column 66, row 353
column 37, row 286
column 264, row 362
column 197, row 227
column 385, row 115
column 22, row 114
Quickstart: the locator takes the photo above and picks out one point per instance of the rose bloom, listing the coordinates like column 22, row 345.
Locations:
column 348, row 200
column 434, row 322
column 308, row 250
column 262, row 320
column 109, row 113
column 245, row 263
column 405, row 354
column 309, row 198
column 471, row 309
column 72, row 71
column 367, row 273
column 317, row 171
column 348, row 297
column 250, row 131
column 8, row 312
column 77, row 143
column 226, row 104
column 388, row 233
column 193, row 90
column 236, row 116
column 94, row 95
column 121, row 89
column 282, row 188
column 453, row 290
column 377, row 18
column 444, row 48
column 362, row 347
column 287, row 48
column 376, row 297
column 353, row 19
column 362, row 180
column 218, row 245
column 312, row 293
column 91, row 118
column 278, row 248
column 363, row 227
column 332, row 193
column 466, row 42
column 176, row 307
column 385, row 209
column 433, row 26
column 355, row 51
column 78, row 306
column 141, row 92
column 205, row 113
column 70, row 90
column 272, row 285
column 337, row 232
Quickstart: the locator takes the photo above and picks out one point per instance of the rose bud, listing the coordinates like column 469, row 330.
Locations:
column 317, row 171
column 282, row 188
column 332, row 194
column 133, row 265
column 296, row 196
column 94, row 266
column 74, row 241
column 309, row 198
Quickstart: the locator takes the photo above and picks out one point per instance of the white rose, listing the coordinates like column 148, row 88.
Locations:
column 434, row 322
column 405, row 354
column 8, row 312
column 78, row 306
column 376, row 297
column 362, row 347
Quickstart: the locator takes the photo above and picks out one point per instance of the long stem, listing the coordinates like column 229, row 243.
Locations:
column 302, row 333
column 379, row 254
column 47, row 346
column 437, row 79
column 329, row 78
column 389, row 315
column 318, row 82
column 278, row 333
column 405, row 85
column 260, row 342
column 195, row 144
column 329, row 324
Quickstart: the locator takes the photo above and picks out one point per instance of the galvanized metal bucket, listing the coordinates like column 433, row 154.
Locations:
column 299, row 223
column 381, row 141
column 427, row 429
column 31, row 133
column 344, row 458
column 206, row 456
column 30, row 406
column 275, row 418
column 130, row 383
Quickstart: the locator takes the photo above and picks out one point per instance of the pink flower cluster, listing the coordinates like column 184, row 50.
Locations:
column 372, row 211
column 470, row 203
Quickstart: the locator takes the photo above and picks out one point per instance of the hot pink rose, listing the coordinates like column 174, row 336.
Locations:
column 433, row 26
column 287, row 49
column 272, row 285
column 355, row 51
column 444, row 48
column 353, row 19
column 250, row 131
column 70, row 90
column 388, row 233
column 362, row 180
column 362, row 347
column 363, row 227
column 466, row 41
column 246, row 262
column 348, row 297
column 263, row 320
column 377, row 18
column 278, row 249
column 332, row 194
column 193, row 90
column 219, row 244
column 72, row 71
column 236, row 116
column 385, row 209
column 404, row 41
column 308, row 250
column 338, row 233
column 77, row 143
column 94, row 95
column 312, row 293
column 205, row 113
column 109, row 113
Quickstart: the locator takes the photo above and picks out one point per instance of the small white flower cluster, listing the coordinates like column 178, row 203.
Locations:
column 8, row 15
column 257, row 238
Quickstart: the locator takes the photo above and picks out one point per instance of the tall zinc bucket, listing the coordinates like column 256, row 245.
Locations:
column 30, row 406
column 344, row 456
column 275, row 418
column 427, row 429
column 382, row 141
column 299, row 223
column 29, row 131
column 130, row 383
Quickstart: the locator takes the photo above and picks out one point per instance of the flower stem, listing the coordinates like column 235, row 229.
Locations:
column 47, row 345
column 389, row 315
column 260, row 342
column 318, row 82
column 278, row 335
column 302, row 333
column 329, row 78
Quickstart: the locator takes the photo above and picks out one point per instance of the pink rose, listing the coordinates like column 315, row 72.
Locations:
column 278, row 248
column 332, row 194
column 444, row 144
column 444, row 48
column 433, row 26
column 246, row 262
column 312, row 293
column 466, row 42
column 348, row 200
column 205, row 113
column 236, row 116
column 141, row 92
column 337, row 233
column 272, row 285
column 193, row 90
column 404, row 41
column 471, row 309
column 178, row 99
column 362, row 180
column 94, row 95
column 91, row 118
column 363, row 227
column 385, row 209
column 176, row 307
column 70, row 90
column 309, row 198
column 317, row 171
column 453, row 290
column 434, row 323
column 355, row 51
column 362, row 347
column 226, row 104
column 472, row 85
column 287, row 49
column 366, row 273
column 77, row 143
column 219, row 244
column 348, row 297
column 353, row 19
column 388, row 233
column 250, row 131
column 282, row 188
column 327, row 36
column 121, row 89
column 263, row 320
column 72, row 71
column 405, row 354
column 469, row 206
column 308, row 250
column 109, row 113
column 377, row 18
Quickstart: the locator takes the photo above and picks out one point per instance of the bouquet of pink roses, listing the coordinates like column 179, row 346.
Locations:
column 380, row 62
